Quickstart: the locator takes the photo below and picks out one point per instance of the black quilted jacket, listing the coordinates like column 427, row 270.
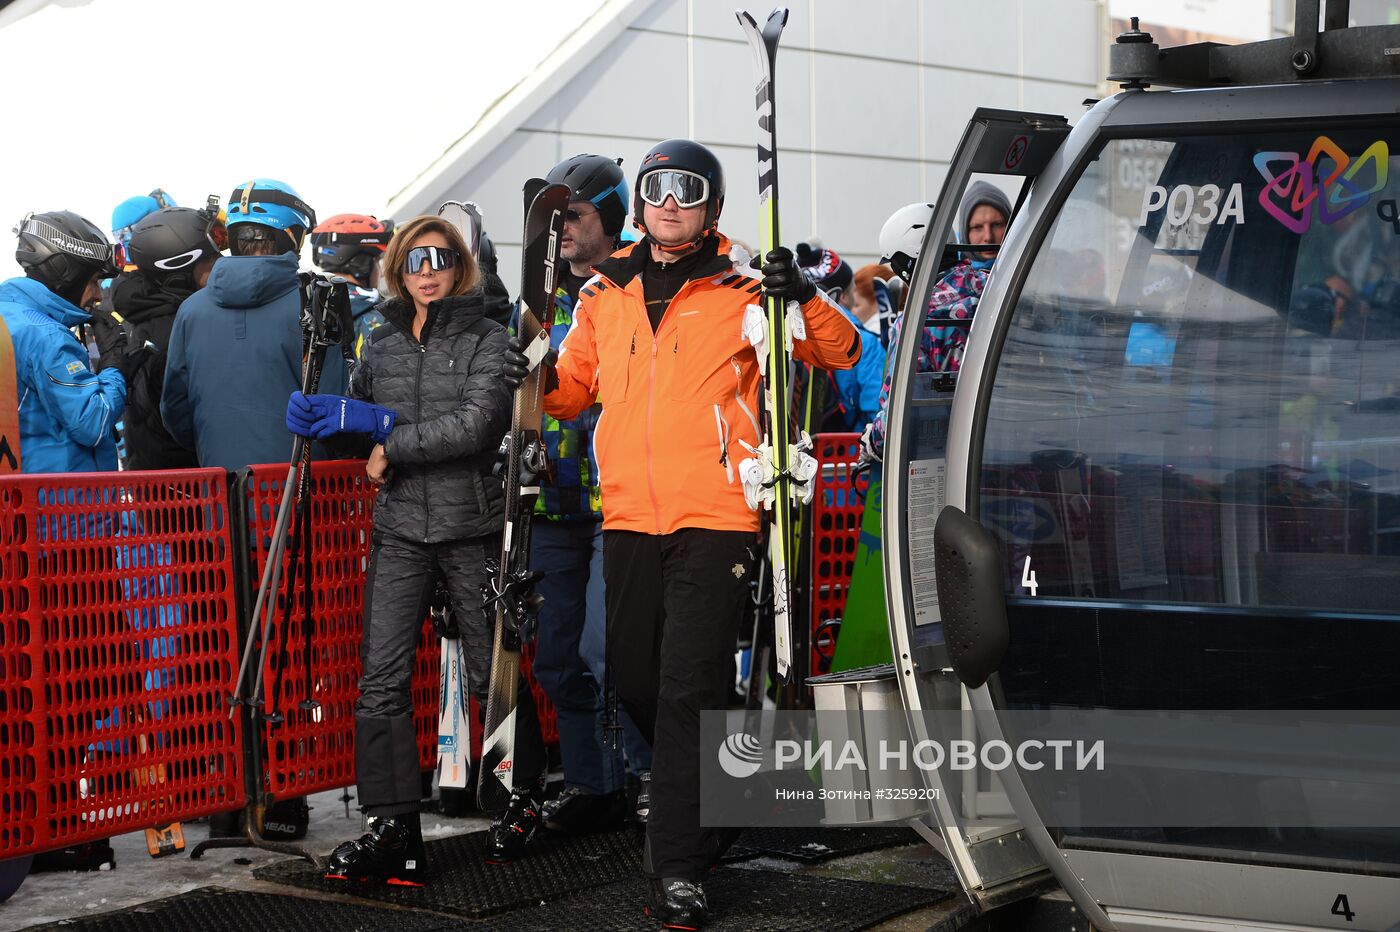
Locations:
column 452, row 411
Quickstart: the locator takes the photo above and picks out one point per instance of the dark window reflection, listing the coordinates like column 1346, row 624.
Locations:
column 1194, row 438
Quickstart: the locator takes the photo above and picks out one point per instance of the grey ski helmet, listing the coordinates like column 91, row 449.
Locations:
column 63, row 251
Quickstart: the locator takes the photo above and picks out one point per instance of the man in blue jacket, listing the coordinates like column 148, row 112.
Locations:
column 236, row 347
column 66, row 411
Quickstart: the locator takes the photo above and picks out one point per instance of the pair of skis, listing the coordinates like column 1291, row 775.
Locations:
column 778, row 458
column 454, row 703
column 508, row 597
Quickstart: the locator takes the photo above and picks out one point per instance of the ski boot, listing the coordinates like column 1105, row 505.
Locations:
column 677, row 903
column 575, row 812
column 512, row 831
column 391, row 852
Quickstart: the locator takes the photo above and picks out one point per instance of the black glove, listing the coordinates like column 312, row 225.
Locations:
column 782, row 279
column 515, row 366
column 115, row 346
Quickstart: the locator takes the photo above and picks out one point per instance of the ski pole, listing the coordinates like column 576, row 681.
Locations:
column 301, row 472
column 301, row 450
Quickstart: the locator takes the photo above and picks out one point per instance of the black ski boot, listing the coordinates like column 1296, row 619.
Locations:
column 390, row 852
column 512, row 831
column 574, row 812
column 677, row 903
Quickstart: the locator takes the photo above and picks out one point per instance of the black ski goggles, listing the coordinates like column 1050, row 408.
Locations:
column 687, row 188
column 437, row 257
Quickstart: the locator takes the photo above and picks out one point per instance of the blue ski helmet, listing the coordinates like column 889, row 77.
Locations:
column 132, row 211
column 274, row 205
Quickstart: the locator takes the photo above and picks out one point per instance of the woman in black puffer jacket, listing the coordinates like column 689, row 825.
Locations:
column 428, row 389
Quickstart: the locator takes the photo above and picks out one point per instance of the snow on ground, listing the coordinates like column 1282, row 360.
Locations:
column 139, row 878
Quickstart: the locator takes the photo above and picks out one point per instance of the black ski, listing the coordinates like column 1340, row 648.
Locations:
column 510, row 600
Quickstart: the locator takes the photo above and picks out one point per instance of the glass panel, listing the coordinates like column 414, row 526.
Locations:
column 1192, row 451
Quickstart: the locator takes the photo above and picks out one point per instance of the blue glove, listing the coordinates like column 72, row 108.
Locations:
column 301, row 417
column 336, row 414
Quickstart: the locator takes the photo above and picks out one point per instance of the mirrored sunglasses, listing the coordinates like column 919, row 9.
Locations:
column 437, row 257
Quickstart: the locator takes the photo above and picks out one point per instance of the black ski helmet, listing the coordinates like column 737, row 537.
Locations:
column 486, row 254
column 687, row 155
column 598, row 180
column 173, row 240
column 63, row 250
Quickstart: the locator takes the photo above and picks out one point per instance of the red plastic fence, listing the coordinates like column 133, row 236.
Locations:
column 118, row 640
column 837, row 504
column 313, row 749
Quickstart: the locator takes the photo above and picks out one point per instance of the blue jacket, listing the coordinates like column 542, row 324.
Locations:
column 66, row 411
column 860, row 387
column 235, row 357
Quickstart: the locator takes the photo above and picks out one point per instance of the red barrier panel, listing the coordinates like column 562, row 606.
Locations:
column 837, row 504
column 118, row 644
column 313, row 749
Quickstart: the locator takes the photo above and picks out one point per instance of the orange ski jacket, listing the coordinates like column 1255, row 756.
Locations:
column 677, row 402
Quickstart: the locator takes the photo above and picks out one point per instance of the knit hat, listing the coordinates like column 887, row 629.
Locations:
column 823, row 266
column 981, row 192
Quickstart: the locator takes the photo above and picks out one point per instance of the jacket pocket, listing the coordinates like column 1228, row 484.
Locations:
column 722, row 430
column 483, row 506
column 685, row 349
column 615, row 373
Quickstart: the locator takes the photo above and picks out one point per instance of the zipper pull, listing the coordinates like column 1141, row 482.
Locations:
column 634, row 344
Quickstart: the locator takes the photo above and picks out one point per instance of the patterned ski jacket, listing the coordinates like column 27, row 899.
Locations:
column 66, row 411
column 571, row 493
column 678, row 403
column 955, row 297
column 365, row 315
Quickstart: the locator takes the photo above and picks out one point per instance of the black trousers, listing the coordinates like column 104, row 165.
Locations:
column 398, row 590
column 674, row 603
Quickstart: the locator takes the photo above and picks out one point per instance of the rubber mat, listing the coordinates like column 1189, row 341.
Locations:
column 816, row 844
column 462, row 883
column 740, row 900
column 215, row 909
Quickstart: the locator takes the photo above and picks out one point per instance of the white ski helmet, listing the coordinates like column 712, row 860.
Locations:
column 903, row 235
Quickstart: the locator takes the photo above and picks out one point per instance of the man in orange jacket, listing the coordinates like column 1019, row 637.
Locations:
column 658, row 339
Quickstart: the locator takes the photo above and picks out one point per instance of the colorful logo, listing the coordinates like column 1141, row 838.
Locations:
column 1328, row 176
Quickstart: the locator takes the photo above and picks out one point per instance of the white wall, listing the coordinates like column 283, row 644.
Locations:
column 872, row 99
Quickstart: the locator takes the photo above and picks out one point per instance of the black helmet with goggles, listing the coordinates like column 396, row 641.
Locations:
column 685, row 171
